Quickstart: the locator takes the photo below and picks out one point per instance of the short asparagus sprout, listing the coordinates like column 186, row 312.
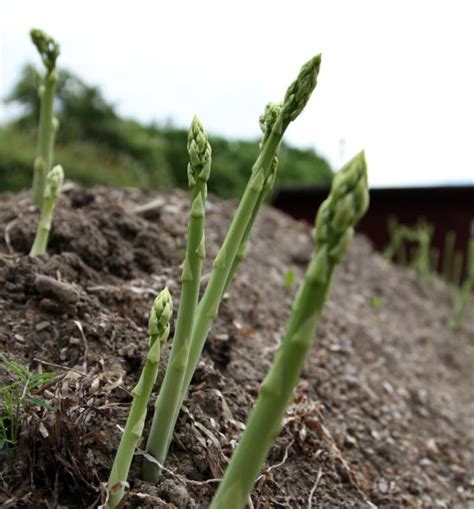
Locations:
column 158, row 331
column 49, row 50
column 167, row 402
column 421, row 262
column 52, row 191
column 421, row 235
column 347, row 202
column 233, row 247
column 467, row 287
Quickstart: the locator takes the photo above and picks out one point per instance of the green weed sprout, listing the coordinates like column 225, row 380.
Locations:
column 347, row 202
column 289, row 278
column 467, row 287
column 224, row 264
column 158, row 330
column 167, row 403
column 54, row 181
column 49, row 50
column 13, row 398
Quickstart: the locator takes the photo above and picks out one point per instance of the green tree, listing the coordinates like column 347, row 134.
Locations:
column 97, row 145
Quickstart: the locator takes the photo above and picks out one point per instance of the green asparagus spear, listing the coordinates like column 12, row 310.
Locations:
column 158, row 330
column 422, row 234
column 167, row 402
column 295, row 99
column 267, row 120
column 467, row 287
column 54, row 181
column 48, row 49
column 336, row 218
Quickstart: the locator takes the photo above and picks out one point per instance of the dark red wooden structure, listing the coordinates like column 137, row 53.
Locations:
column 446, row 208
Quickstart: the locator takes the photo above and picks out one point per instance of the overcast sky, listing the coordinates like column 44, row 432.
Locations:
column 397, row 77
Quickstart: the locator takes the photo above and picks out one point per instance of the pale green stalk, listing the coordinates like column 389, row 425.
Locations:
column 267, row 121
column 48, row 49
column 336, row 218
column 158, row 330
column 54, row 132
column 422, row 234
column 396, row 238
column 467, row 287
column 167, row 402
column 54, row 181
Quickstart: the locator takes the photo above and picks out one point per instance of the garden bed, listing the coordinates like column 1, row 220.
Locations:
column 383, row 415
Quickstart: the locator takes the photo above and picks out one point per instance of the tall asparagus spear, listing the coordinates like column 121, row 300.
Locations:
column 295, row 100
column 267, row 120
column 158, row 330
column 347, row 202
column 54, row 181
column 167, row 402
column 48, row 49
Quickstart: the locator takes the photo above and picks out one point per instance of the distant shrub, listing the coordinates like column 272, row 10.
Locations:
column 97, row 146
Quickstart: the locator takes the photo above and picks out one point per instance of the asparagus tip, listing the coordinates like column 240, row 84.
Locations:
column 160, row 314
column 300, row 90
column 47, row 47
column 199, row 151
column 54, row 181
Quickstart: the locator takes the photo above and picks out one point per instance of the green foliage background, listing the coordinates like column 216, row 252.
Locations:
column 97, row 146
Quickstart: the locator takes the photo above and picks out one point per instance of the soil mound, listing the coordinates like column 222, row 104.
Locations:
column 383, row 416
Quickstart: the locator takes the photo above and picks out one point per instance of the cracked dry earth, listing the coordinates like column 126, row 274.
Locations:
column 383, row 415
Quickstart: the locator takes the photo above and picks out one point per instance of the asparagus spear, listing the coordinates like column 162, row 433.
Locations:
column 467, row 287
column 49, row 50
column 295, row 100
column 54, row 181
column 167, row 402
column 267, row 120
column 347, row 202
column 158, row 330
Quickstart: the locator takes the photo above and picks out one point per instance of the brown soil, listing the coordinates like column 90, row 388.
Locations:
column 383, row 416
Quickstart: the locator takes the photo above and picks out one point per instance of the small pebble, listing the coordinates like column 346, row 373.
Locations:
column 42, row 326
column 383, row 486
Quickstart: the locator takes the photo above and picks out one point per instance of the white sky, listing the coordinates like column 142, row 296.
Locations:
column 397, row 77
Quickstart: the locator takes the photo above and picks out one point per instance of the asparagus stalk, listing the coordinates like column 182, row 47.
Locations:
column 167, row 402
column 347, row 202
column 267, row 120
column 467, row 287
column 294, row 102
column 158, row 330
column 395, row 238
column 49, row 50
column 422, row 235
column 54, row 181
